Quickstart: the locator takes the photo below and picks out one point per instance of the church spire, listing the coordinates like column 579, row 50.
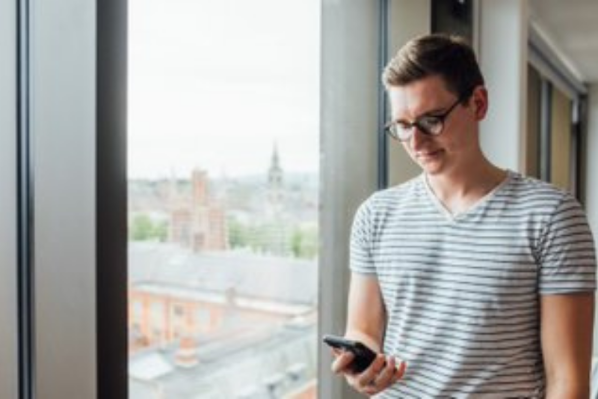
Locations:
column 275, row 189
column 275, row 171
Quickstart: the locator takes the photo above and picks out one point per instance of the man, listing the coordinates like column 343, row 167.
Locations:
column 478, row 280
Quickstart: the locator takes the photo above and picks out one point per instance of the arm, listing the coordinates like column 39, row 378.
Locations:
column 366, row 316
column 566, row 335
column 366, row 322
column 366, row 319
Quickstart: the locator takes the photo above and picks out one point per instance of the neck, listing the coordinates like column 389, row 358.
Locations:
column 459, row 188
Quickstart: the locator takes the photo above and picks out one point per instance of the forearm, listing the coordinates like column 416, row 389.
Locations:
column 566, row 328
column 567, row 390
column 568, row 378
column 371, row 340
column 366, row 318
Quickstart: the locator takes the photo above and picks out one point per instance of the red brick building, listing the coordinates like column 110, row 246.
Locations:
column 196, row 221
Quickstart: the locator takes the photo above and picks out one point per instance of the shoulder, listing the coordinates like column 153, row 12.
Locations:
column 535, row 193
column 541, row 206
column 379, row 205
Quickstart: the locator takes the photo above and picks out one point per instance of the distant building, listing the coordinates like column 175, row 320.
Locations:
column 175, row 293
column 180, row 225
column 220, row 325
column 196, row 222
column 259, row 363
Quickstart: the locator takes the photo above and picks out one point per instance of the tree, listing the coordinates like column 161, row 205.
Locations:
column 238, row 234
column 304, row 242
column 142, row 228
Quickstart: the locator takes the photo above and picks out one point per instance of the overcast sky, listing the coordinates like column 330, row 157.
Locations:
column 214, row 83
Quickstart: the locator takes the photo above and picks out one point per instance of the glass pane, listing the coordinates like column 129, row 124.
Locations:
column 223, row 198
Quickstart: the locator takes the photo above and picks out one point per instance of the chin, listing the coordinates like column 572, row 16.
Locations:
column 432, row 165
column 432, row 169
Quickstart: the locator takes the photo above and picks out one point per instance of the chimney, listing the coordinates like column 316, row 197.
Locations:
column 186, row 355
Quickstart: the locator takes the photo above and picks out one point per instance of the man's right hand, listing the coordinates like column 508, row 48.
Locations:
column 381, row 374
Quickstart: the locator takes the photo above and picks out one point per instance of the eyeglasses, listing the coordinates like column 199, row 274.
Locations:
column 428, row 124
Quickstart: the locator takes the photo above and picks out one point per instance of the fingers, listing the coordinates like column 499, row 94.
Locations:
column 336, row 352
column 382, row 373
column 385, row 377
column 400, row 371
column 341, row 361
column 369, row 375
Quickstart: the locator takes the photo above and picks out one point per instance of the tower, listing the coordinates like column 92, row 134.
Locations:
column 276, row 234
column 275, row 181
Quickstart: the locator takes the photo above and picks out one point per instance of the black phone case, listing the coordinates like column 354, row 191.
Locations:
column 364, row 356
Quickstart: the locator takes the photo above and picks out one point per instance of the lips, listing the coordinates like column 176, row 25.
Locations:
column 427, row 154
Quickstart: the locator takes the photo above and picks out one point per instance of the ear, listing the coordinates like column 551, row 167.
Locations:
column 479, row 101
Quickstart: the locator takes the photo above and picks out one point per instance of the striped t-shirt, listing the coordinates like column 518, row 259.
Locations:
column 462, row 292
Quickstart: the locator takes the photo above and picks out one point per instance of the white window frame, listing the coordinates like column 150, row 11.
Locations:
column 8, row 202
column 63, row 131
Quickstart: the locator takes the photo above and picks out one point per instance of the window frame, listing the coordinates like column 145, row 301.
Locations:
column 9, row 377
column 556, row 74
column 62, row 155
column 111, row 188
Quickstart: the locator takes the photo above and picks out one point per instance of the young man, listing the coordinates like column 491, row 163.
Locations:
column 479, row 280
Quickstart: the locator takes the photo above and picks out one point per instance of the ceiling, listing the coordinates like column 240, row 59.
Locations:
column 572, row 28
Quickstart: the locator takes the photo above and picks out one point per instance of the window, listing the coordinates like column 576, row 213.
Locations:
column 556, row 100
column 81, row 294
column 223, row 198
column 552, row 138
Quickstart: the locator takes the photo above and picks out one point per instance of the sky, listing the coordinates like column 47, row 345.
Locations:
column 214, row 84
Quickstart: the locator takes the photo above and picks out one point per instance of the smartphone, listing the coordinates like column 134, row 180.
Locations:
column 364, row 356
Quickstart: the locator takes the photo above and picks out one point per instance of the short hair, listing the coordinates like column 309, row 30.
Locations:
column 448, row 56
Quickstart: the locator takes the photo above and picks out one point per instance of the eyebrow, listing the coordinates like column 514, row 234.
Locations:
column 432, row 112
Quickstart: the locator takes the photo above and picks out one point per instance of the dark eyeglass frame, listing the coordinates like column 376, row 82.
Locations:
column 389, row 127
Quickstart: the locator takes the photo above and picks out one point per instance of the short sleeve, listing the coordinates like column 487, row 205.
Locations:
column 566, row 251
column 360, row 256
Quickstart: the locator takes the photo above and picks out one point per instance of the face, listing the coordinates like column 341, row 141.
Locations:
column 457, row 145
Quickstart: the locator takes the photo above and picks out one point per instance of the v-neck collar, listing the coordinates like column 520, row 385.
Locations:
column 453, row 217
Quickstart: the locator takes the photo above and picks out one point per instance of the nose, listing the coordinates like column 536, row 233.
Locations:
column 417, row 138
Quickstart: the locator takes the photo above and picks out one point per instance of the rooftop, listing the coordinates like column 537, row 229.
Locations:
column 257, row 279
column 243, row 364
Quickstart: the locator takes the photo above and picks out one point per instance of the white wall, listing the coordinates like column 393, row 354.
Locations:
column 591, row 183
column 503, row 58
